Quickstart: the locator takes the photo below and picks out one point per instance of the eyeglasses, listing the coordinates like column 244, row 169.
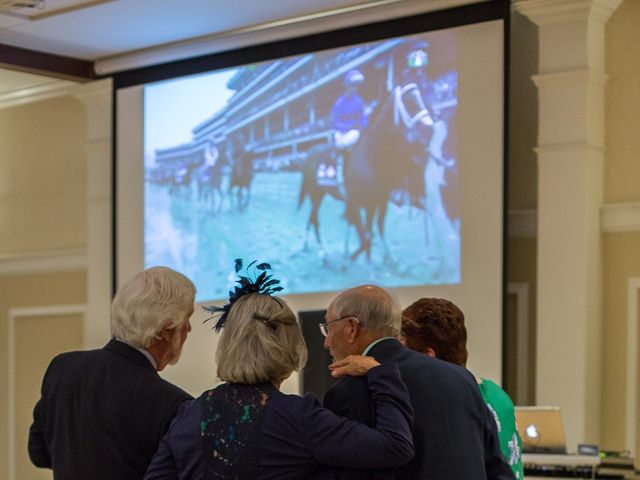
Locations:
column 324, row 326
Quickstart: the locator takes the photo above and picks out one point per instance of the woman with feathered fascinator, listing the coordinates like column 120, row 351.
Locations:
column 246, row 428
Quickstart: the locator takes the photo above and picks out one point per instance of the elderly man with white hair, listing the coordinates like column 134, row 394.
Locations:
column 103, row 412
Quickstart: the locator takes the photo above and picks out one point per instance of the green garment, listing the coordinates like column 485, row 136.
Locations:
column 501, row 408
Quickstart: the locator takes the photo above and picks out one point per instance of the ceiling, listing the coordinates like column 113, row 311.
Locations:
column 113, row 35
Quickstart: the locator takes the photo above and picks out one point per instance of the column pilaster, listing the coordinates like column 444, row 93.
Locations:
column 571, row 84
column 96, row 97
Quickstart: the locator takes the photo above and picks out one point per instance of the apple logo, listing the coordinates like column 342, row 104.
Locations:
column 532, row 431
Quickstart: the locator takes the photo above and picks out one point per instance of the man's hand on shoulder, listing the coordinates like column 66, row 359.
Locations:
column 353, row 365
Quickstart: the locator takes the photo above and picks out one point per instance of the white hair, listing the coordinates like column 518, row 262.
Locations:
column 151, row 301
column 376, row 308
column 261, row 341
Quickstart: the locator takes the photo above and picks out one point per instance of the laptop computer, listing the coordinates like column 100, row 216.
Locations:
column 541, row 429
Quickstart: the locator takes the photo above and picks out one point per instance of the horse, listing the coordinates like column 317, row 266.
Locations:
column 180, row 182
column 381, row 163
column 241, row 177
column 373, row 170
column 320, row 154
column 209, row 179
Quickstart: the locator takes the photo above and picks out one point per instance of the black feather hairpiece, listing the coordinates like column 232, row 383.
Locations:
column 252, row 279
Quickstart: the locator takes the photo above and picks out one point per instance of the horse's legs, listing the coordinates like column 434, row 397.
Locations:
column 203, row 194
column 243, row 193
column 305, row 245
column 321, row 251
column 238, row 195
column 230, row 194
column 212, row 199
column 314, row 221
column 247, row 196
column 239, row 198
column 360, row 232
column 364, row 235
column 369, row 231
column 346, row 240
column 382, row 213
column 217, row 198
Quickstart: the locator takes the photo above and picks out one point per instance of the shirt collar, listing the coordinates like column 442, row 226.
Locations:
column 374, row 343
column 149, row 357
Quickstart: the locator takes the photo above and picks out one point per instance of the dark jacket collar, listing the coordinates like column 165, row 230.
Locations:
column 128, row 352
column 385, row 345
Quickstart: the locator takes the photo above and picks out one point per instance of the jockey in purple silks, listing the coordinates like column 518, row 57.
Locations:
column 348, row 119
column 348, row 116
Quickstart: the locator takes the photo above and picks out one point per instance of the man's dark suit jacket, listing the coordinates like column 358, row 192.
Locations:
column 101, row 415
column 455, row 437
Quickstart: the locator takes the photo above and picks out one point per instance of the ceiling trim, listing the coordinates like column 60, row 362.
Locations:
column 32, row 61
column 62, row 11
column 319, row 22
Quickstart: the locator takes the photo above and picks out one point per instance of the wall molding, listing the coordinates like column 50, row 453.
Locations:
column 64, row 260
column 620, row 217
column 616, row 218
column 521, row 292
column 16, row 314
column 585, row 75
column 568, row 147
column 547, row 12
column 50, row 88
column 633, row 319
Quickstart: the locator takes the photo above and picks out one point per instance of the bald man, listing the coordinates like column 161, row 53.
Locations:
column 455, row 436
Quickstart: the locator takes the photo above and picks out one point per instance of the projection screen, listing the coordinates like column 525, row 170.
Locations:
column 376, row 162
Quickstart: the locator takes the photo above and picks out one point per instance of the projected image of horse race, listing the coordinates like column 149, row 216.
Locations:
column 337, row 167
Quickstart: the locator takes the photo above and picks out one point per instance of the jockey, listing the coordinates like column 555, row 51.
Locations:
column 412, row 117
column 348, row 118
column 348, row 115
column 211, row 154
column 410, row 109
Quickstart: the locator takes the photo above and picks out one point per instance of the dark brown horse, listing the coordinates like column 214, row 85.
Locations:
column 209, row 179
column 380, row 163
column 241, row 175
column 321, row 154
